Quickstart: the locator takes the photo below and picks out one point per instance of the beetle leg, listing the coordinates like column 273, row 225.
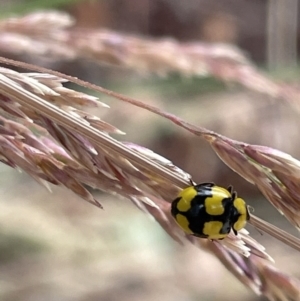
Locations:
column 230, row 188
column 233, row 195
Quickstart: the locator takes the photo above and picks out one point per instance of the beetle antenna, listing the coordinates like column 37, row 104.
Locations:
column 192, row 183
column 250, row 208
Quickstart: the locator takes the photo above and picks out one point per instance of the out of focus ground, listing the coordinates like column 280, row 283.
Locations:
column 53, row 246
column 56, row 247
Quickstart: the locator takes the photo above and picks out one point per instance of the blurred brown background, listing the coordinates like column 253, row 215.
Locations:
column 56, row 247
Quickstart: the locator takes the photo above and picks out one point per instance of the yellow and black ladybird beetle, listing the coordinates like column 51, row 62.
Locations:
column 209, row 211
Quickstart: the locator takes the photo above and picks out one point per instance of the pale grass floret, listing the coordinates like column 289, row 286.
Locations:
column 42, row 134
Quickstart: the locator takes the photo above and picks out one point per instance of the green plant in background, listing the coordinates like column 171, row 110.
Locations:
column 21, row 7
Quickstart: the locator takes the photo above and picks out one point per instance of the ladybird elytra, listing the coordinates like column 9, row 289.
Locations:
column 209, row 211
column 213, row 227
column 184, row 223
column 213, row 204
column 186, row 195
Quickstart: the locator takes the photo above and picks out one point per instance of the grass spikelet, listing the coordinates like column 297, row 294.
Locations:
column 54, row 142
